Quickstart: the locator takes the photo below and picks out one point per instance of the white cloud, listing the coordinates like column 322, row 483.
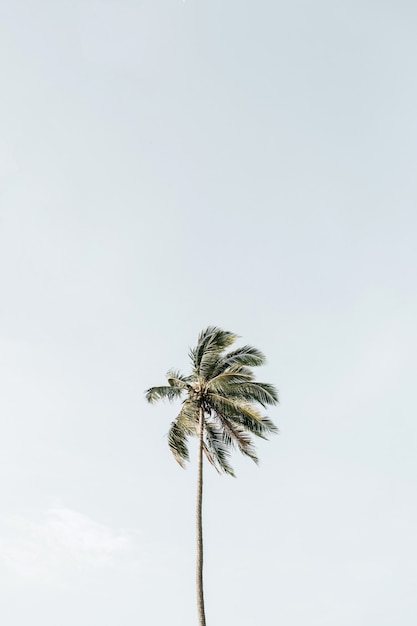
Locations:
column 52, row 545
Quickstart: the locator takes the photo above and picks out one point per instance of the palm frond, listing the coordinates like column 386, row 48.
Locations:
column 230, row 386
column 247, row 356
column 188, row 416
column 177, row 441
column 229, row 378
column 243, row 413
column 163, row 393
column 211, row 342
column 216, row 449
column 234, row 434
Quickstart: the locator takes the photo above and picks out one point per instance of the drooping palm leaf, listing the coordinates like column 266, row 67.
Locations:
column 235, row 435
column 177, row 441
column 163, row 393
column 231, row 387
column 243, row 413
column 187, row 418
column 216, row 449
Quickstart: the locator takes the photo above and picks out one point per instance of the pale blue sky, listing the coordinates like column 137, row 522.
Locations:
column 166, row 165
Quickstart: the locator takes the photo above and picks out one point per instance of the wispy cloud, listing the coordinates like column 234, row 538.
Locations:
column 55, row 543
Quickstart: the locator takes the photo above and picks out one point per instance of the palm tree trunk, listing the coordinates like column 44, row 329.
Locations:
column 199, row 525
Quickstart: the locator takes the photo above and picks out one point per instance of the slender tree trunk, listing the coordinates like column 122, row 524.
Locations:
column 199, row 525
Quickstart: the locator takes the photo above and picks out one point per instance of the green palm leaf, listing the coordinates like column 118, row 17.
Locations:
column 261, row 393
column 244, row 414
column 163, row 393
column 187, row 418
column 211, row 342
column 177, row 441
column 235, row 435
column 247, row 356
column 216, row 449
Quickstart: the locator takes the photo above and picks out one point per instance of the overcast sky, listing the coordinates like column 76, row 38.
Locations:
column 169, row 164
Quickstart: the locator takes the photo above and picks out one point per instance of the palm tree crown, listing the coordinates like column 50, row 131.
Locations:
column 221, row 395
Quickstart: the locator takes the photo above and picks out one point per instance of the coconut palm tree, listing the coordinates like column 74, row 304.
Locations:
column 221, row 404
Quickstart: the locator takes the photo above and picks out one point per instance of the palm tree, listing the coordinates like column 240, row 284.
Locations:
column 220, row 406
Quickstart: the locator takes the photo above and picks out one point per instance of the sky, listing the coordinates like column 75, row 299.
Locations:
column 170, row 164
